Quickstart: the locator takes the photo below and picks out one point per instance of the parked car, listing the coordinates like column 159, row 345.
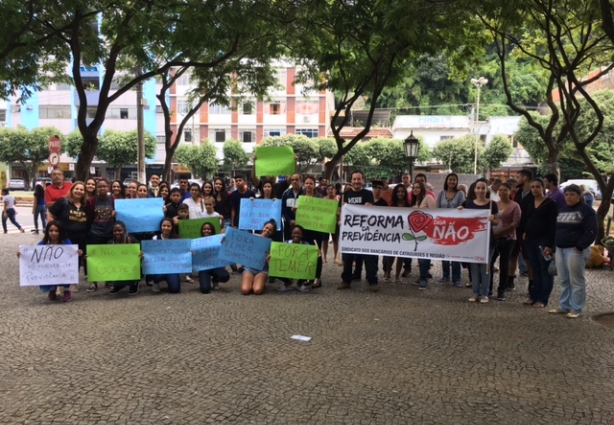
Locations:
column 43, row 181
column 18, row 183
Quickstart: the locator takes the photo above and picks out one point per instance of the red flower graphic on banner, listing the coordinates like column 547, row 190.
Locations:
column 418, row 221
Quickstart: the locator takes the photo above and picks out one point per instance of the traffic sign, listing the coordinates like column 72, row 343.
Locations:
column 54, row 158
column 55, row 144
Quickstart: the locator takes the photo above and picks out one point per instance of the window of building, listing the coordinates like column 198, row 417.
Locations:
column 91, row 83
column 187, row 134
column 275, row 108
column 282, row 77
column 161, row 139
column 307, row 107
column 247, row 136
column 248, row 108
column 220, row 136
column 215, row 109
column 91, row 113
column 123, row 113
column 120, row 113
column 271, row 132
column 63, row 86
column 309, row 132
column 2, row 115
column 54, row 112
column 183, row 80
column 442, row 138
column 182, row 106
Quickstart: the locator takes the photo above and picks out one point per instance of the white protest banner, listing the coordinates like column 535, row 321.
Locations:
column 437, row 234
column 48, row 265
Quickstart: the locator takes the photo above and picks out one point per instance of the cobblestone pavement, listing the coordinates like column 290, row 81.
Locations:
column 400, row 356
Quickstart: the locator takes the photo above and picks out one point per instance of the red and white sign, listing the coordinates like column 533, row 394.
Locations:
column 436, row 234
column 55, row 144
column 54, row 158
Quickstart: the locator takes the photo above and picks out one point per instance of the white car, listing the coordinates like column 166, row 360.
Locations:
column 199, row 182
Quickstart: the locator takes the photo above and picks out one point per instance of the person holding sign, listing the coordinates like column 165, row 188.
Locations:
column 331, row 194
column 255, row 280
column 55, row 234
column 173, row 280
column 120, row 236
column 398, row 199
column 313, row 236
column 420, row 198
column 222, row 200
column 242, row 192
column 288, row 204
column 213, row 276
column 298, row 237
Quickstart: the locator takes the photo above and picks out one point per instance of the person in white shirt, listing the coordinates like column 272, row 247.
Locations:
column 8, row 213
column 494, row 189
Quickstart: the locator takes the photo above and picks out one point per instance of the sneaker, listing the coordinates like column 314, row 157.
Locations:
column 189, row 279
column 115, row 290
column 510, row 288
column 52, row 295
column 67, row 296
column 444, row 279
column 304, row 288
column 501, row 296
column 284, row 288
column 374, row 288
column 216, row 285
column 405, row 273
column 483, row 300
column 343, row 285
column 422, row 285
column 155, row 288
column 458, row 284
column 134, row 289
column 474, row 299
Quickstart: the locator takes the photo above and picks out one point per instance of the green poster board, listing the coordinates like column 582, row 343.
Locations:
column 113, row 262
column 275, row 161
column 190, row 229
column 294, row 261
column 317, row 214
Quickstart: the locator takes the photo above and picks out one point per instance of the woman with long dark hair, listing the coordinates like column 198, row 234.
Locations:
column 398, row 199
column 451, row 197
column 38, row 208
column 421, row 199
column 222, row 200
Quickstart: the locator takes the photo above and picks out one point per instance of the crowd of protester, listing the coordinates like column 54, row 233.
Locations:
column 533, row 222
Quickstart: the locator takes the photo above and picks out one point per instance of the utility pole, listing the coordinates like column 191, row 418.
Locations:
column 140, row 129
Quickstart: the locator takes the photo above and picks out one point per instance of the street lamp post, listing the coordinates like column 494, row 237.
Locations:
column 478, row 82
column 411, row 146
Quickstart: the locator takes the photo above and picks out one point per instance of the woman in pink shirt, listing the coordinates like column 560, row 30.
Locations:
column 505, row 237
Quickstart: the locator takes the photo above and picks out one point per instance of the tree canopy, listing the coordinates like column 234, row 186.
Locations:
column 201, row 160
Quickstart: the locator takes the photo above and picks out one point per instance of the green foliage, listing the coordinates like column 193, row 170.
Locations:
column 234, row 155
column 72, row 143
column 601, row 150
column 497, row 152
column 201, row 160
column 28, row 147
column 459, row 154
column 118, row 148
column 326, row 147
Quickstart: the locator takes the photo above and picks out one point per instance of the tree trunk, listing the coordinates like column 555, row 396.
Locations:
column 26, row 172
column 168, row 166
column 118, row 173
column 604, row 208
column 553, row 163
column 329, row 169
column 88, row 151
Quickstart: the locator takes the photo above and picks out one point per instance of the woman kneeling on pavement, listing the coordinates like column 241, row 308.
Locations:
column 576, row 229
column 255, row 280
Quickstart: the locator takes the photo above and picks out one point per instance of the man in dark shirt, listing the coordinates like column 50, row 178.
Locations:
column 378, row 187
column 242, row 192
column 358, row 195
column 522, row 197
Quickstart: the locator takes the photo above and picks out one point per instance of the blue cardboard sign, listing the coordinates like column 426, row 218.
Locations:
column 255, row 212
column 206, row 253
column 168, row 256
column 140, row 215
column 244, row 248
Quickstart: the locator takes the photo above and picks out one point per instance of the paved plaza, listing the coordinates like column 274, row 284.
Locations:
column 400, row 356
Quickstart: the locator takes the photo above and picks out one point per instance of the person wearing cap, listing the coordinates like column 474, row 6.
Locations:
column 378, row 187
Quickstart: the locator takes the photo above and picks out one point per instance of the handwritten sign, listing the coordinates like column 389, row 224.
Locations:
column 167, row 256
column 317, row 214
column 243, row 248
column 206, row 253
column 113, row 262
column 191, row 229
column 140, row 215
column 255, row 212
column 293, row 260
column 275, row 161
column 48, row 265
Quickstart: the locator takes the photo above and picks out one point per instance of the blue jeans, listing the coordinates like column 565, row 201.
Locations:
column 480, row 279
column 456, row 270
column 40, row 210
column 172, row 280
column 542, row 280
column 10, row 215
column 204, row 278
column 424, row 266
column 570, row 266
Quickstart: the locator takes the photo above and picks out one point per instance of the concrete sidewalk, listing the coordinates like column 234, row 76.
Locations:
column 400, row 356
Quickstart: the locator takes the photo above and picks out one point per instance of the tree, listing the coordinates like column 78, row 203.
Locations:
column 459, row 154
column 234, row 155
column 30, row 148
column 201, row 160
column 118, row 148
column 497, row 152
column 573, row 51
column 387, row 154
column 357, row 49
column 424, row 152
column 326, row 147
column 304, row 148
